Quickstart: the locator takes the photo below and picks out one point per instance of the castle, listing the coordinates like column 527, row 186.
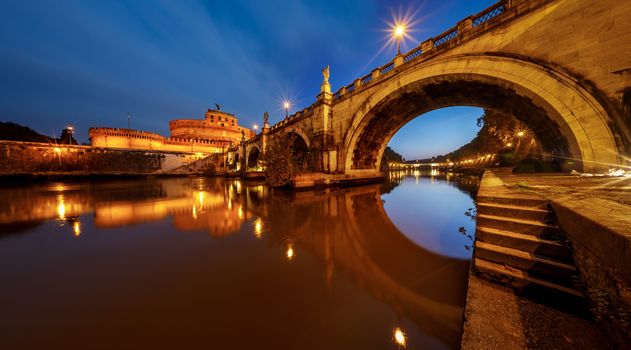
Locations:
column 213, row 134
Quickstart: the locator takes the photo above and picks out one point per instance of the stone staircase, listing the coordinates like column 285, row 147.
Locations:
column 520, row 244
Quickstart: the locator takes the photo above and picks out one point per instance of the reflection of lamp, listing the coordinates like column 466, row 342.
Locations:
column 258, row 228
column 76, row 228
column 61, row 208
column 290, row 251
column 399, row 337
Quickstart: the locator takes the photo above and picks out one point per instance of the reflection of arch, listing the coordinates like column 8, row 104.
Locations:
column 562, row 114
column 350, row 231
column 253, row 155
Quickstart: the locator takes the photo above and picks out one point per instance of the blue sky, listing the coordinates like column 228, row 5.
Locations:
column 90, row 62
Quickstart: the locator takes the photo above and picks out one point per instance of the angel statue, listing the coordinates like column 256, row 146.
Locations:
column 326, row 74
column 265, row 117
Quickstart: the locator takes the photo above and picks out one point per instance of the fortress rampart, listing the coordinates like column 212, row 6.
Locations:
column 216, row 132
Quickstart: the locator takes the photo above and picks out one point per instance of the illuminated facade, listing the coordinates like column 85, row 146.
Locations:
column 217, row 131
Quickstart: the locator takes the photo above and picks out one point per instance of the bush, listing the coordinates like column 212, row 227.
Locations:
column 280, row 161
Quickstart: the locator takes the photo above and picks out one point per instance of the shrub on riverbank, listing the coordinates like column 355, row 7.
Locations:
column 280, row 161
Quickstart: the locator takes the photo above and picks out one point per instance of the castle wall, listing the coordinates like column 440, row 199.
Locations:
column 142, row 140
column 31, row 157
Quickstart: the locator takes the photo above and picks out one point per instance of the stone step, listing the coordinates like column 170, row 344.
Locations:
column 516, row 199
column 528, row 243
column 523, row 226
column 520, row 279
column 515, row 211
column 559, row 272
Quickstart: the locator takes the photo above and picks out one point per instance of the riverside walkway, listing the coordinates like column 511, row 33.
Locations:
column 595, row 214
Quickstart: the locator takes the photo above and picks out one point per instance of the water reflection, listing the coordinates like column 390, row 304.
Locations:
column 324, row 269
column 428, row 208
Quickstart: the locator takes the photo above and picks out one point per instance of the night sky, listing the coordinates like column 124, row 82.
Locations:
column 89, row 63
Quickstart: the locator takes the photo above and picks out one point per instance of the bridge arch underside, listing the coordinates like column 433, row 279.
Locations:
column 569, row 124
column 253, row 157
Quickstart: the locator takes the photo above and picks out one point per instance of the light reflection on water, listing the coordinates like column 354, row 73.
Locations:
column 191, row 262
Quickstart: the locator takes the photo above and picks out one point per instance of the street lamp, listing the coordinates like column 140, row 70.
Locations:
column 286, row 107
column 399, row 32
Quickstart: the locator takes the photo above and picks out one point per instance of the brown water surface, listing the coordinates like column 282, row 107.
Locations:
column 187, row 263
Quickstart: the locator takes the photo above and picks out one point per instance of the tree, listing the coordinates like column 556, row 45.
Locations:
column 497, row 132
column 390, row 156
column 280, row 160
column 16, row 132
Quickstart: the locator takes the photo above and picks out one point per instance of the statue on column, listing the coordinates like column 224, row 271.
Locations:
column 265, row 117
column 326, row 87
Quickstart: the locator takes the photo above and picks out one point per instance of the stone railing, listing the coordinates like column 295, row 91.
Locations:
column 292, row 118
column 499, row 12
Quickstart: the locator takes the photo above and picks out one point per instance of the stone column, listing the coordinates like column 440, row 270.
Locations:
column 322, row 142
column 465, row 25
column 427, row 45
column 264, row 133
column 376, row 73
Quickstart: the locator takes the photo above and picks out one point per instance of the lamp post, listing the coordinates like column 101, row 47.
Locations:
column 286, row 107
column 399, row 32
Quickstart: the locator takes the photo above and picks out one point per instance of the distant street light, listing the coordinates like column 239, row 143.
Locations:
column 399, row 32
column 255, row 127
column 286, row 107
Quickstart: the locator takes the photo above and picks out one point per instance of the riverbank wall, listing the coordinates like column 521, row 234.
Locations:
column 595, row 217
column 600, row 233
column 42, row 159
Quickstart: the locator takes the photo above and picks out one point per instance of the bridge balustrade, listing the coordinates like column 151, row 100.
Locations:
column 412, row 54
column 489, row 14
column 366, row 79
column 493, row 12
column 446, row 37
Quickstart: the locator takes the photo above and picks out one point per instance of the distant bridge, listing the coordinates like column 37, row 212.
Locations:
column 563, row 67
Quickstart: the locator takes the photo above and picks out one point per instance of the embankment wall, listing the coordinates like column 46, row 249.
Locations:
column 31, row 157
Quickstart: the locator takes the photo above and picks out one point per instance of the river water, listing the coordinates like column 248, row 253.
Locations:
column 225, row 264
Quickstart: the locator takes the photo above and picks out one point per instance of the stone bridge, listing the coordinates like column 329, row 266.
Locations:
column 563, row 67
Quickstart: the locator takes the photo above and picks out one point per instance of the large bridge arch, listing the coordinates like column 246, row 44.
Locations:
column 253, row 155
column 299, row 132
column 550, row 101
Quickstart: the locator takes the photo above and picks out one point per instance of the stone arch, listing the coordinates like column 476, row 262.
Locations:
column 303, row 155
column 558, row 108
column 298, row 131
column 253, row 154
column 236, row 162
